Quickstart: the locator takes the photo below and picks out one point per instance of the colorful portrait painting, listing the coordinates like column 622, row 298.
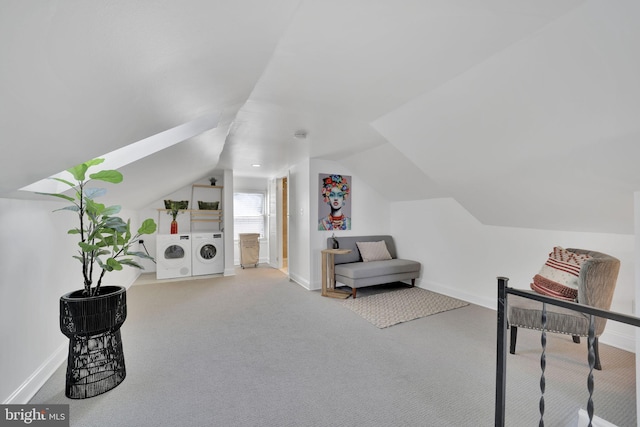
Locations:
column 334, row 206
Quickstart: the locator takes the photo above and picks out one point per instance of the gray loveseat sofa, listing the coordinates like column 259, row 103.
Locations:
column 352, row 271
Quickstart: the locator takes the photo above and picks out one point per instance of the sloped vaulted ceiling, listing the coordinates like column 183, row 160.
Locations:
column 544, row 133
column 525, row 111
column 81, row 79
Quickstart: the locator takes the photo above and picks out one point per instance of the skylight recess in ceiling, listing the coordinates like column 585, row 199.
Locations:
column 136, row 151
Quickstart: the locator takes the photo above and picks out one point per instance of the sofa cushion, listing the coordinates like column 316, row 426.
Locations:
column 558, row 277
column 349, row 242
column 362, row 270
column 373, row 251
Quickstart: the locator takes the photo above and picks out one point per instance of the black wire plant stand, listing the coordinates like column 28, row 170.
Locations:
column 95, row 362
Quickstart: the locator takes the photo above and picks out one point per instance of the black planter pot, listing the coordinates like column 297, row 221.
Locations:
column 95, row 363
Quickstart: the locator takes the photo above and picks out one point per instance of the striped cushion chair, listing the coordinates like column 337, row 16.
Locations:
column 596, row 281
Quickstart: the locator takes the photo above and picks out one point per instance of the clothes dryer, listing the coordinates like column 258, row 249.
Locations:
column 173, row 256
column 207, row 253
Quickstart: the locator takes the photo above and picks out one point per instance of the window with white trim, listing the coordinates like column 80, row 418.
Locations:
column 248, row 213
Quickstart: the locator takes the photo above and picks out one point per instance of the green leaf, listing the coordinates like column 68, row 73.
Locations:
column 62, row 196
column 73, row 231
column 120, row 239
column 106, row 241
column 79, row 171
column 73, row 208
column 93, row 208
column 131, row 263
column 94, row 236
column 116, row 223
column 86, row 247
column 111, row 210
column 112, row 176
column 148, row 227
column 114, row 264
column 94, row 162
column 64, row 181
column 140, row 254
column 103, row 265
column 127, row 232
column 92, row 193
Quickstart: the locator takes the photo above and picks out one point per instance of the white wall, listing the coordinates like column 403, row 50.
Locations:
column 462, row 257
column 370, row 213
column 299, row 268
column 244, row 183
column 227, row 222
column 36, row 268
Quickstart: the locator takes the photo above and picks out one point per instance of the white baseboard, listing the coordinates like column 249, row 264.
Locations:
column 583, row 420
column 612, row 338
column 36, row 380
column 456, row 293
column 30, row 387
column 300, row 281
column 616, row 339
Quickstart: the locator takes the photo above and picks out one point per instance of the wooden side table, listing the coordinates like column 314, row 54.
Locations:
column 329, row 276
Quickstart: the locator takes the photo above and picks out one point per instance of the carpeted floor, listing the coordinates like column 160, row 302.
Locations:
column 257, row 350
column 401, row 305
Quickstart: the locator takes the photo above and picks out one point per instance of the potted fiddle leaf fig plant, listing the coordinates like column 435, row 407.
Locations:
column 91, row 317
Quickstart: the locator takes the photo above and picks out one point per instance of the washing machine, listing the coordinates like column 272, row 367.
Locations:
column 173, row 256
column 207, row 250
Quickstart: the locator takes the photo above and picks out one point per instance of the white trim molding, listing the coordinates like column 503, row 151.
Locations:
column 23, row 394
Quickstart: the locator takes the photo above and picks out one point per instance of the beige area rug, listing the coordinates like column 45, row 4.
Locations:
column 390, row 308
